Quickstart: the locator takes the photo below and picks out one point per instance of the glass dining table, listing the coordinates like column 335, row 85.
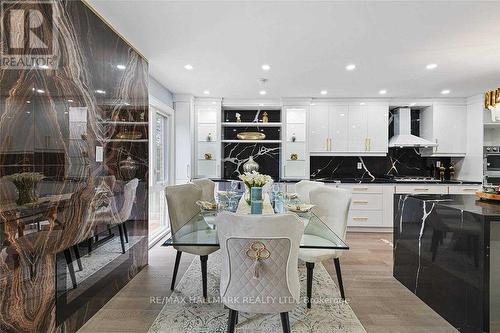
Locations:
column 201, row 230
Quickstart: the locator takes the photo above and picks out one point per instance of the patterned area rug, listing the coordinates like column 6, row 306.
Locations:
column 185, row 311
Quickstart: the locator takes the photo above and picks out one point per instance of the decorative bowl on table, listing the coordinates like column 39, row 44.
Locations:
column 299, row 208
column 251, row 136
column 489, row 189
column 206, row 205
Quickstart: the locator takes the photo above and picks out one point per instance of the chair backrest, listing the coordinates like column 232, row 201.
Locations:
column 304, row 187
column 268, row 186
column 332, row 207
column 274, row 280
column 207, row 188
column 129, row 194
column 181, row 204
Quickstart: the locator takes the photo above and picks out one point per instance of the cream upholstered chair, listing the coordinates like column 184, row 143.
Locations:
column 259, row 261
column 304, row 187
column 332, row 207
column 207, row 188
column 182, row 207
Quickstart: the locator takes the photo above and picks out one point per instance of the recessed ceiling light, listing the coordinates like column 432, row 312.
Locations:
column 189, row 67
column 70, row 101
column 350, row 67
column 213, row 103
column 99, row 91
column 382, row 92
column 323, row 92
column 431, row 66
column 313, row 103
column 28, row 112
column 261, row 104
column 362, row 103
column 28, row 102
column 121, row 67
column 262, row 92
column 266, row 67
column 413, row 104
column 206, row 92
column 40, row 91
column 445, row 91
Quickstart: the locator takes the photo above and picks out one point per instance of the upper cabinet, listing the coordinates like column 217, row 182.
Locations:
column 360, row 129
column 207, row 157
column 444, row 124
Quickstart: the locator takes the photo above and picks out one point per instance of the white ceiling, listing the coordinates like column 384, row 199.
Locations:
column 309, row 43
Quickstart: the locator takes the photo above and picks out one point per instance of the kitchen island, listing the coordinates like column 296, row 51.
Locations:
column 447, row 252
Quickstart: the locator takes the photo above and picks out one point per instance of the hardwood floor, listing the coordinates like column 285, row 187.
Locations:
column 381, row 303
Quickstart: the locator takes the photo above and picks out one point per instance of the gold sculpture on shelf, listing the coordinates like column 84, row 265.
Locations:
column 208, row 156
column 251, row 136
column 265, row 118
column 492, row 99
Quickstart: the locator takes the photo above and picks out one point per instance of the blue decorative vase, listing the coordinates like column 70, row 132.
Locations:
column 256, row 202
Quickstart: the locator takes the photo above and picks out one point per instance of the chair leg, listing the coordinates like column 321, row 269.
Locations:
column 125, row 231
column 285, row 322
column 77, row 255
column 121, row 237
column 204, row 260
column 71, row 268
column 336, row 261
column 233, row 315
column 310, row 269
column 89, row 245
column 176, row 268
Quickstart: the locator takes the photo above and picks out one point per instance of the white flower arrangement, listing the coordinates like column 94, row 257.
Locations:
column 254, row 179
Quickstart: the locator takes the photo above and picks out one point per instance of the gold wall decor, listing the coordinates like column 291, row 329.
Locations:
column 492, row 99
column 294, row 157
column 251, row 136
column 208, row 156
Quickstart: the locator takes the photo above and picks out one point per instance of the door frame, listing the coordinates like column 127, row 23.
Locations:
column 157, row 106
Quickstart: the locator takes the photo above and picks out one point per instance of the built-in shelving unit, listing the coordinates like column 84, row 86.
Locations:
column 260, row 124
column 295, row 156
column 208, row 146
column 251, row 141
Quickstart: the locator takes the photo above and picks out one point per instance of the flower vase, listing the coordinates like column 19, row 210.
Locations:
column 256, row 200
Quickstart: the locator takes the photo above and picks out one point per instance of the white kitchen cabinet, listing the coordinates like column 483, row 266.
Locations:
column 464, row 189
column 444, row 124
column 356, row 128
column 319, row 128
column 422, row 189
column 295, row 157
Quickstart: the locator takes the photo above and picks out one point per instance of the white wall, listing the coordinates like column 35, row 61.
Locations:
column 471, row 166
column 161, row 93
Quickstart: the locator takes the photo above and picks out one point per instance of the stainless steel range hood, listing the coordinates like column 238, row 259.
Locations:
column 402, row 132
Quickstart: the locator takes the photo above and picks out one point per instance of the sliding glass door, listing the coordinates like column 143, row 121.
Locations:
column 160, row 171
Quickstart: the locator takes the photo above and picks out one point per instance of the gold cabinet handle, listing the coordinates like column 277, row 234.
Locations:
column 366, row 144
column 360, row 202
column 360, row 218
column 360, row 188
column 326, row 142
column 421, row 189
column 330, row 144
column 369, row 144
column 469, row 189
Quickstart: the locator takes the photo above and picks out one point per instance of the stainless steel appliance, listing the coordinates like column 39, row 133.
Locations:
column 491, row 163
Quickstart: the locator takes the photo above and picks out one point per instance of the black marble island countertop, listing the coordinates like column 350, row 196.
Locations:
column 464, row 203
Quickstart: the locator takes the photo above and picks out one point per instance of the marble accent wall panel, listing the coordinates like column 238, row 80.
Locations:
column 267, row 155
column 81, row 125
column 398, row 162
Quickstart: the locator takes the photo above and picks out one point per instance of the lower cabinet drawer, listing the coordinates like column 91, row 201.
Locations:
column 464, row 189
column 365, row 218
column 422, row 189
column 366, row 201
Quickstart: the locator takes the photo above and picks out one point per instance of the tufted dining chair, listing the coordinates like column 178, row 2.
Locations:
column 304, row 187
column 207, row 188
column 332, row 207
column 182, row 207
column 259, row 261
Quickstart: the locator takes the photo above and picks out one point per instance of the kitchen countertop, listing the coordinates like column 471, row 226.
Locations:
column 373, row 181
column 463, row 202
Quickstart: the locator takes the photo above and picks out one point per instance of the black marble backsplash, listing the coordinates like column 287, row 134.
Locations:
column 267, row 155
column 398, row 163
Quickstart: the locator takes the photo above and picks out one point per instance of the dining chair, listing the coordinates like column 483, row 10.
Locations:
column 332, row 207
column 304, row 187
column 207, row 189
column 259, row 262
column 182, row 207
